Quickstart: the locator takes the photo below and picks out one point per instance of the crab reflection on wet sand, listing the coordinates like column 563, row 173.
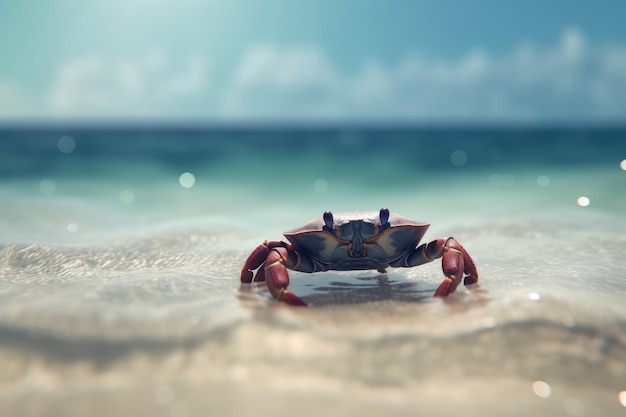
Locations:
column 355, row 241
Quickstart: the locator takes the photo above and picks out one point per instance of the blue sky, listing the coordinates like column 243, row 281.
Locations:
column 286, row 60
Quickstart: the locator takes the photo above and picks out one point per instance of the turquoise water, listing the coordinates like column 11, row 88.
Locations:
column 120, row 252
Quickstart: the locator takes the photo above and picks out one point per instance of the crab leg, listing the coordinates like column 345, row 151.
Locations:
column 257, row 260
column 277, row 277
column 455, row 262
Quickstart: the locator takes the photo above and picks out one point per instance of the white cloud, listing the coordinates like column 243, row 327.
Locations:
column 572, row 48
column 301, row 68
column 372, row 88
column 81, row 87
column 131, row 79
column 271, row 82
column 93, row 87
column 570, row 81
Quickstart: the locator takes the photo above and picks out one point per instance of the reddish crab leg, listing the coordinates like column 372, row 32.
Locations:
column 455, row 262
column 269, row 258
column 257, row 259
column 278, row 278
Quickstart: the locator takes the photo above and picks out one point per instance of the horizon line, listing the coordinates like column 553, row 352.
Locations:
column 252, row 124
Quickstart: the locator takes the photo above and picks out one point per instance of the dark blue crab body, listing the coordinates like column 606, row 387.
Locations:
column 357, row 240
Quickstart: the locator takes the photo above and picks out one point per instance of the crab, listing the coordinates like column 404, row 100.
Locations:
column 358, row 240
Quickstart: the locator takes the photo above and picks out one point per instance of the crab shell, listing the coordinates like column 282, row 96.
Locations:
column 357, row 240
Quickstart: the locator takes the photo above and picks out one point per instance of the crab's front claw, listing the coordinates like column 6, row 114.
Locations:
column 257, row 259
column 455, row 262
column 277, row 277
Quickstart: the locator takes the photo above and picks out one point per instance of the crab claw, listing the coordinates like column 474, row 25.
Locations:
column 455, row 262
column 277, row 277
column 256, row 260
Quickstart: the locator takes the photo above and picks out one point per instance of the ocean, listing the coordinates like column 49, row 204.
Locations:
column 121, row 249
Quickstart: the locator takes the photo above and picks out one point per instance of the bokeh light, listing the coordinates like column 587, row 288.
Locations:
column 72, row 227
column 47, row 186
column 126, row 197
column 542, row 389
column 458, row 158
column 534, row 296
column 621, row 396
column 506, row 180
column 187, row 180
column 622, row 164
column 66, row 144
column 320, row 185
column 543, row 181
column 583, row 201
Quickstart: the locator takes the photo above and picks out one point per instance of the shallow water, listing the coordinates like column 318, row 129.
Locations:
column 118, row 305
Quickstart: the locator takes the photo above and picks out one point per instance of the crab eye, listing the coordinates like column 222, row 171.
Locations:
column 328, row 221
column 384, row 217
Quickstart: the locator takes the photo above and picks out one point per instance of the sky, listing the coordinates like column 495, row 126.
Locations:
column 314, row 61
